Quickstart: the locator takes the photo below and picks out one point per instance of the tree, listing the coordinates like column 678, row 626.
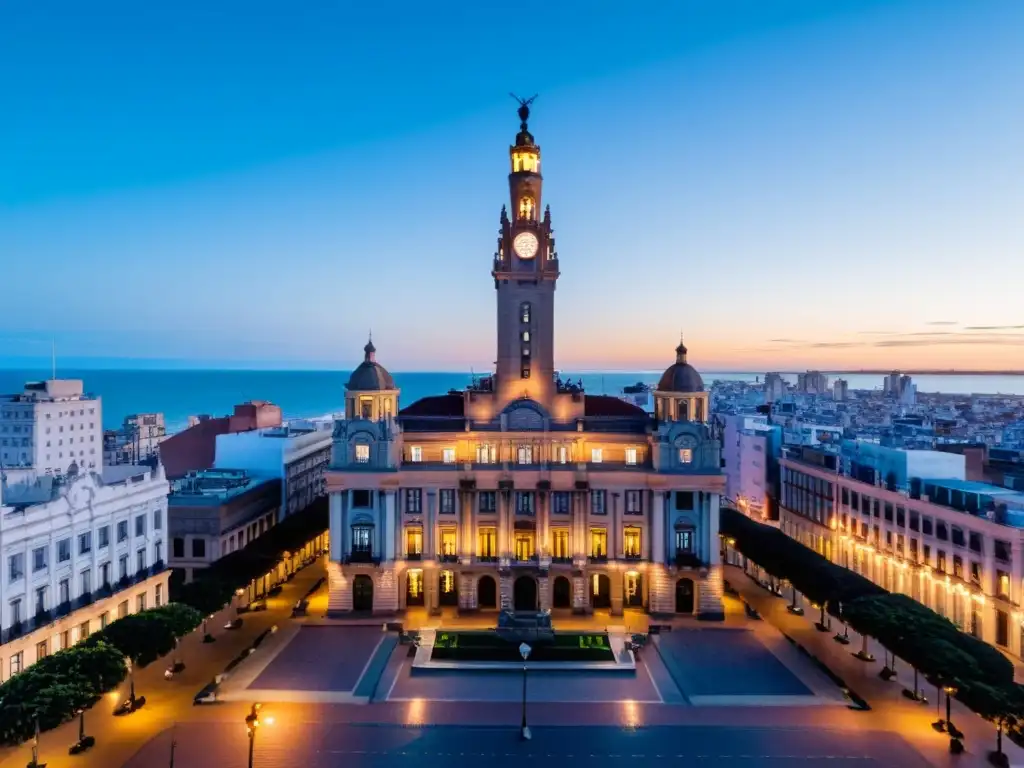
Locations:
column 182, row 618
column 143, row 637
column 1003, row 705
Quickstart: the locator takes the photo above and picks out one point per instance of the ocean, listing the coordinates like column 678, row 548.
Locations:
column 179, row 394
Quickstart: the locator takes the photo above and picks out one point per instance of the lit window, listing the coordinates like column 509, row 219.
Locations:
column 563, row 454
column 449, row 455
column 485, row 454
column 362, row 454
column 631, row 542
column 525, row 455
column 685, row 455
column 526, row 207
column 526, row 335
column 416, row 454
column 631, row 456
column 524, row 311
column 596, row 455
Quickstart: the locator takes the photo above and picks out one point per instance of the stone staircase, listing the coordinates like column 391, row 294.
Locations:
column 709, row 598
column 385, row 592
column 339, row 599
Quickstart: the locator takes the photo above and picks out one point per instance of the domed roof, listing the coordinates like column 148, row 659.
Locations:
column 370, row 376
column 680, row 376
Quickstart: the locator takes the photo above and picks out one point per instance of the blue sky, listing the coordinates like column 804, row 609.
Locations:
column 789, row 182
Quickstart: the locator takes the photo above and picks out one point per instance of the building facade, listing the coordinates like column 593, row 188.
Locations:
column 137, row 441
column 215, row 512
column 50, row 428
column 954, row 545
column 297, row 453
column 78, row 552
column 523, row 491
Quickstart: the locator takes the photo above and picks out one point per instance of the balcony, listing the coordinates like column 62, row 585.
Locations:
column 416, row 556
column 633, row 556
column 448, row 558
column 105, row 590
column 42, row 618
column 62, row 609
column 487, row 558
column 525, row 560
column 687, row 560
column 561, row 560
column 597, row 559
column 83, row 600
column 361, row 556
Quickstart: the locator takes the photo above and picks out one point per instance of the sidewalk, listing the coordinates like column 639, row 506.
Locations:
column 911, row 720
column 118, row 738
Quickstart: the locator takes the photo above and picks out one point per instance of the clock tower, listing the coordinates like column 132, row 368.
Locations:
column 525, row 272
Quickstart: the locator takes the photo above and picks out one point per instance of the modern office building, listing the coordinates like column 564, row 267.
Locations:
column 51, row 427
column 78, row 552
column 910, row 522
column 297, row 453
column 215, row 512
column 840, row 390
column 524, row 491
column 812, row 383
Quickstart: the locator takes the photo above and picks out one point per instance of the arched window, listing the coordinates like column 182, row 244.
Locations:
column 682, row 410
column 526, row 207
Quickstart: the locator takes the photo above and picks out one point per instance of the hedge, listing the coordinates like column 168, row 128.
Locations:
column 927, row 641
column 56, row 687
column 213, row 587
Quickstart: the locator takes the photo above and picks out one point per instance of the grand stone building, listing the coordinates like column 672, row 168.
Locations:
column 522, row 490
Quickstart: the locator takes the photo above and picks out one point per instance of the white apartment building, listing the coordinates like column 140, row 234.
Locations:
column 297, row 453
column 78, row 552
column 954, row 545
column 50, row 427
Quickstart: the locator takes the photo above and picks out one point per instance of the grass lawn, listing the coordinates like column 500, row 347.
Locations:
column 487, row 646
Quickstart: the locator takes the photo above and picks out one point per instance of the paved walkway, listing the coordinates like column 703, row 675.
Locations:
column 167, row 702
column 911, row 720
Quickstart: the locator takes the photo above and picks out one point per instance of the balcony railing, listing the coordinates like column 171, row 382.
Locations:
column 562, row 560
column 414, row 556
column 633, row 556
column 487, row 558
column 362, row 556
column 524, row 559
column 597, row 558
column 687, row 560
column 448, row 558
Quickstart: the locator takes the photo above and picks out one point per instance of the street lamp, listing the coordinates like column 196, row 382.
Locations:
column 252, row 722
column 524, row 729
column 950, row 693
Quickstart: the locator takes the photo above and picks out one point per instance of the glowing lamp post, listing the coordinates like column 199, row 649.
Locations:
column 252, row 722
column 524, row 729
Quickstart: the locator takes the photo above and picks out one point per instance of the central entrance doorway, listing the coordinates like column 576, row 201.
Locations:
column 602, row 591
column 524, row 594
column 362, row 593
column 561, row 596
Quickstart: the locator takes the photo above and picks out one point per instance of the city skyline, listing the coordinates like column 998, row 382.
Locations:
column 249, row 208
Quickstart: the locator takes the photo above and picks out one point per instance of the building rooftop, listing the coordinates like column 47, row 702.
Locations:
column 213, row 487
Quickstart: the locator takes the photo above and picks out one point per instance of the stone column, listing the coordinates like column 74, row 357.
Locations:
column 615, row 576
column 335, row 527
column 714, row 556
column 345, row 534
column 395, row 525
column 387, row 519
column 503, row 515
column 429, row 501
column 658, row 528
column 543, row 521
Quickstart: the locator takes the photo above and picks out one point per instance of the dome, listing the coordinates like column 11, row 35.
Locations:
column 680, row 376
column 370, row 376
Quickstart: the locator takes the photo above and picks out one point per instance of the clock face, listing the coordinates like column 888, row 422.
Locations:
column 525, row 245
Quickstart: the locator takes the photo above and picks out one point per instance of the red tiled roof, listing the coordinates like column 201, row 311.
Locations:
column 450, row 405
column 607, row 405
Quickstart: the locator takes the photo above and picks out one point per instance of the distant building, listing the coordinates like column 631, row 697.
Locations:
column 298, row 454
column 900, row 387
column 79, row 551
column 194, row 449
column 805, row 433
column 216, row 512
column 910, row 522
column 136, row 442
column 51, row 427
column 774, row 387
column 812, row 383
column 840, row 390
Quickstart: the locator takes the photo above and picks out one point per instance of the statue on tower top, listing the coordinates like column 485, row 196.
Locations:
column 524, row 136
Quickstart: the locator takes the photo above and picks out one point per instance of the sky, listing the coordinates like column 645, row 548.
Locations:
column 789, row 184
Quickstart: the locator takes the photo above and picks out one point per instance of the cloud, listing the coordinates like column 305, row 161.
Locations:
column 877, row 333
column 1008, row 340
column 994, row 327
column 786, row 341
column 942, row 322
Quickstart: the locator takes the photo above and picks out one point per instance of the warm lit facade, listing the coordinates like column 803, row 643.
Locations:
column 954, row 545
column 523, row 491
